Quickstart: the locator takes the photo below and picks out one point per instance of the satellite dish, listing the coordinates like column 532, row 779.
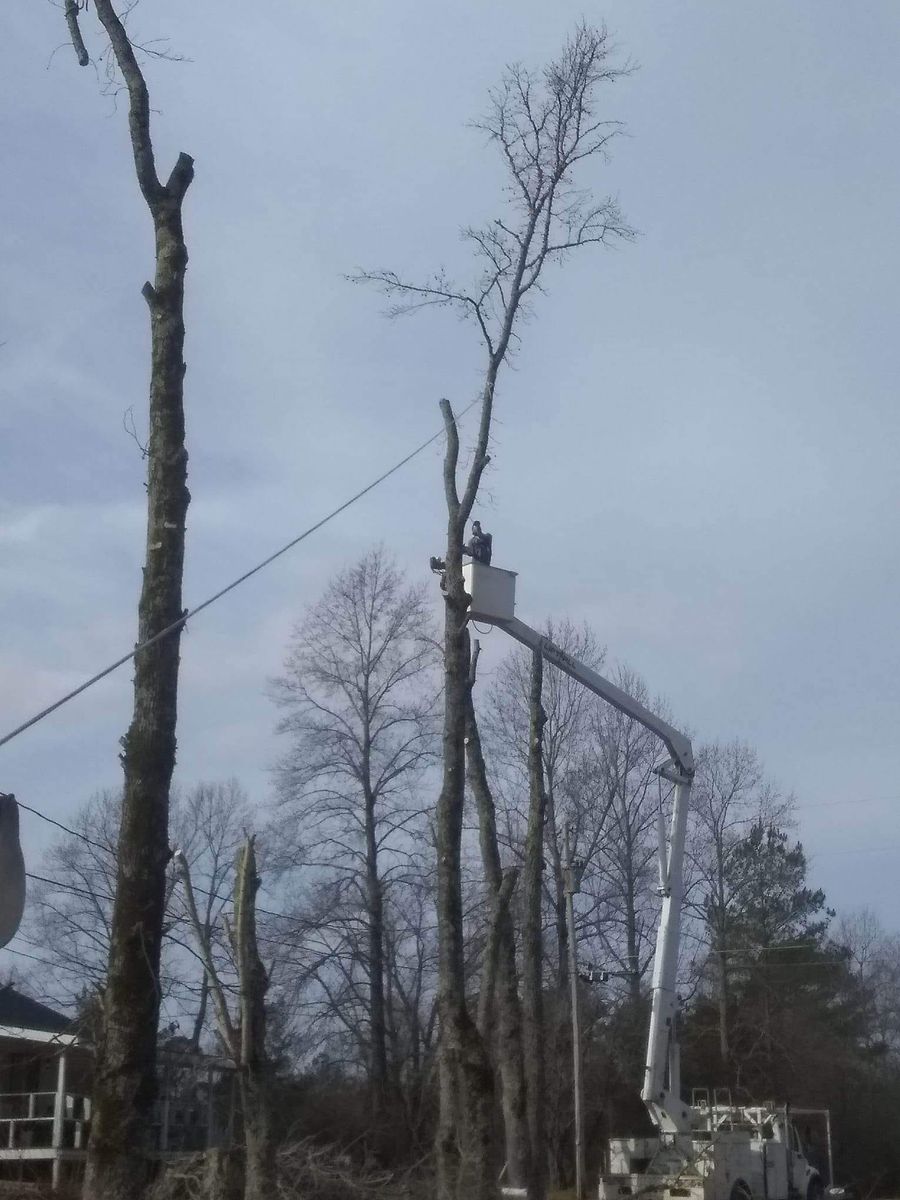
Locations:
column 12, row 869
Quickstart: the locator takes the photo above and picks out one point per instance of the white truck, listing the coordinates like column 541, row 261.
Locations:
column 727, row 1153
column 709, row 1149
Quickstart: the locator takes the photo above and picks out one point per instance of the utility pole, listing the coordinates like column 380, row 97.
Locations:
column 572, row 872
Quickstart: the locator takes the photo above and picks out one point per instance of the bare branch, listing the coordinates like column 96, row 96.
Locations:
column 129, row 427
column 203, row 942
column 451, row 459
column 75, row 33
column 139, row 103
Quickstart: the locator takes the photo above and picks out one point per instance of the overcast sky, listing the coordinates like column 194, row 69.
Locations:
column 696, row 450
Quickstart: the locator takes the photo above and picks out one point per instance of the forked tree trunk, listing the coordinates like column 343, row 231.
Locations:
column 465, row 1152
column 125, row 1079
column 532, row 939
column 500, row 1016
column 466, row 1166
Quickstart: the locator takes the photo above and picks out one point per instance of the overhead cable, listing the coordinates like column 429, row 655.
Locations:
column 189, row 613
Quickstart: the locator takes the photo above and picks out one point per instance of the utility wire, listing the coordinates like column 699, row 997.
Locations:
column 182, row 620
column 68, row 887
column 292, row 918
column 43, row 961
column 66, row 828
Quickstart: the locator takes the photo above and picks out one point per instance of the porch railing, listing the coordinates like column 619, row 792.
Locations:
column 33, row 1120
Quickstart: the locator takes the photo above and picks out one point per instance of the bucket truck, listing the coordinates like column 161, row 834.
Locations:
column 709, row 1149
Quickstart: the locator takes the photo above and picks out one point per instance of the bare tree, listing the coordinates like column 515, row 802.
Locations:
column 125, row 1079
column 69, row 914
column 208, row 826
column 576, row 798
column 411, row 998
column 70, row 910
column 623, row 887
column 244, row 1035
column 544, row 126
column 359, row 694
column 730, row 794
column 874, row 957
column 321, row 962
column 571, row 795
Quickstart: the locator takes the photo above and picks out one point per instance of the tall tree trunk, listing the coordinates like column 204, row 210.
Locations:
column 532, row 940
column 631, row 936
column 721, row 944
column 723, row 1009
column 507, row 1027
column 378, row 1068
column 465, row 1158
column 200, row 1019
column 259, row 1145
column 559, row 892
column 125, row 1079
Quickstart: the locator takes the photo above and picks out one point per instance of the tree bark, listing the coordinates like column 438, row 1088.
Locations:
column 200, row 1018
column 723, row 1004
column 501, row 1023
column 465, row 1159
column 378, row 1065
column 259, row 1145
column 720, row 944
column 125, row 1080
column 559, row 892
column 532, row 939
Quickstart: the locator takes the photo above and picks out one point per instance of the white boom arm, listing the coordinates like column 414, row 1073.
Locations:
column 493, row 598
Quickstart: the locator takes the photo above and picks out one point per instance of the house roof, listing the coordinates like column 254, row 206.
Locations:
column 21, row 1012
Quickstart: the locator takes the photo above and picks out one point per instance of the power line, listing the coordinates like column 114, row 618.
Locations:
column 44, row 963
column 295, row 920
column 65, row 828
column 68, row 887
column 849, row 803
column 190, row 613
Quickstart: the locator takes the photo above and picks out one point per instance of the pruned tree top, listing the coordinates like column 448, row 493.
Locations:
column 121, row 55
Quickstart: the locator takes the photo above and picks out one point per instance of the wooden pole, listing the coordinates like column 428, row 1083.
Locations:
column 59, row 1112
column 572, row 884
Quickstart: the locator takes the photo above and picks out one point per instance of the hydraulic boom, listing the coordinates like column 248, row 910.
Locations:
column 709, row 1149
column 493, row 601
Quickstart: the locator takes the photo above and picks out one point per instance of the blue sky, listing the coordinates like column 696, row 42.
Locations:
column 696, row 447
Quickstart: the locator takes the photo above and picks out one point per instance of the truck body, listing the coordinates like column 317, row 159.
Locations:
column 729, row 1154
